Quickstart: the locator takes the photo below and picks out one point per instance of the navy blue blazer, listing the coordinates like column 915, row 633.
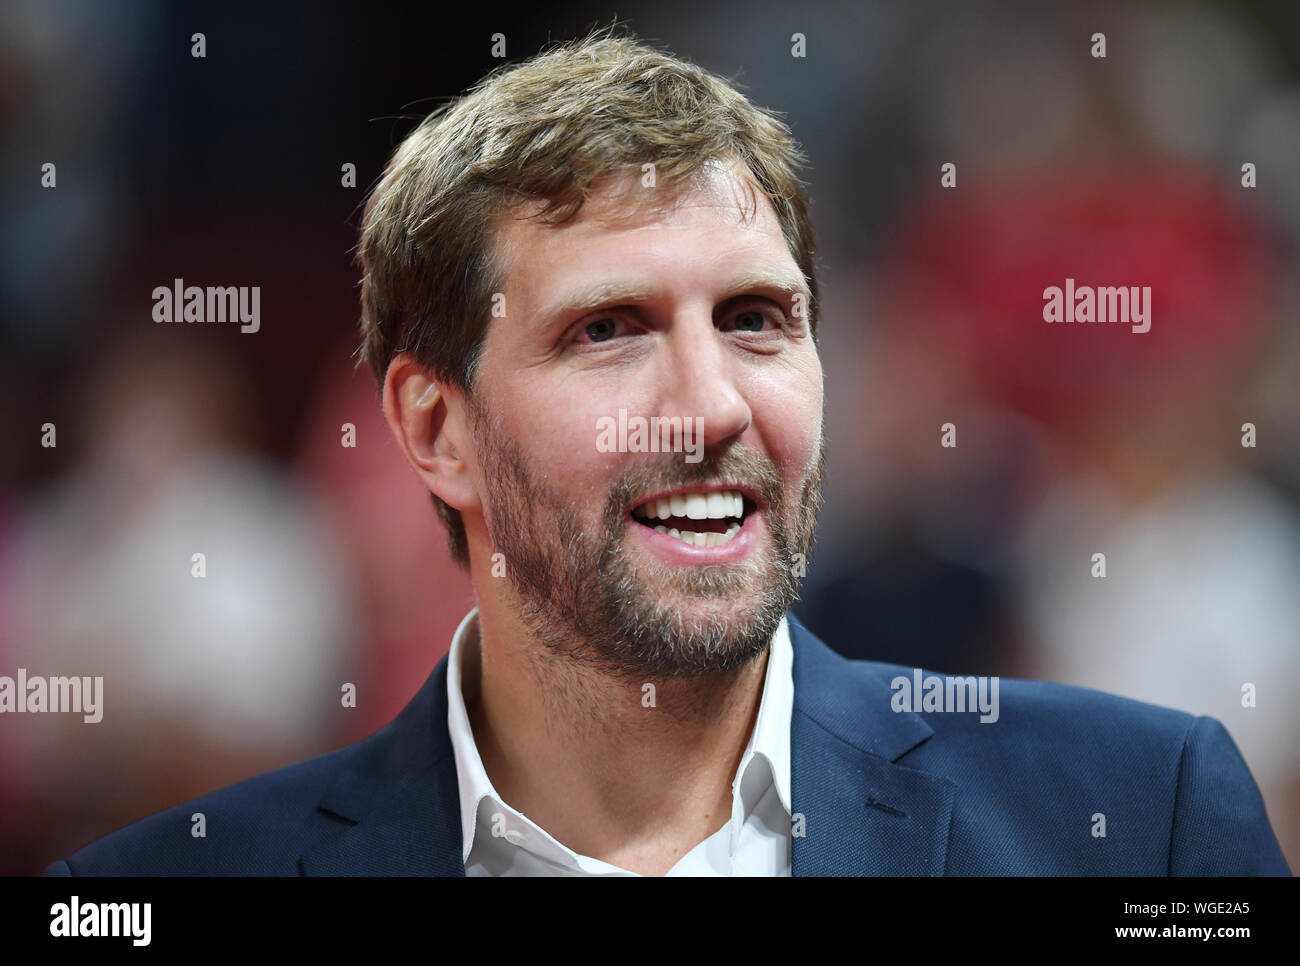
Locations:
column 881, row 792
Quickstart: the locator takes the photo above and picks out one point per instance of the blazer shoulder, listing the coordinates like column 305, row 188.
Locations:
column 1044, row 706
column 1221, row 825
column 264, row 824
column 892, row 708
column 258, row 826
column 1172, row 784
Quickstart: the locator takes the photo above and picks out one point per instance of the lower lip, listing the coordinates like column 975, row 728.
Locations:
column 675, row 551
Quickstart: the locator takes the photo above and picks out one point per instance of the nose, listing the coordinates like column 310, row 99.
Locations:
column 703, row 379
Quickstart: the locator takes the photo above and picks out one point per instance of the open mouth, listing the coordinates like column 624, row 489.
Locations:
column 697, row 519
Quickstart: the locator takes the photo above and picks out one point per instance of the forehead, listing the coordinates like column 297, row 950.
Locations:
column 628, row 231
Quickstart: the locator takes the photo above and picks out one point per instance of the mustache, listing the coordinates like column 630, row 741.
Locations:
column 735, row 466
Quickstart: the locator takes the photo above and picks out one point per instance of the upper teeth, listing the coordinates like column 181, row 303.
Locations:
column 695, row 506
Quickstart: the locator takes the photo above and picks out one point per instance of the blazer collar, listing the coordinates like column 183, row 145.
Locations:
column 857, row 812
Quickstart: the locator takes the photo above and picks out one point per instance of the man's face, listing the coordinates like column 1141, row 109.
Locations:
column 632, row 311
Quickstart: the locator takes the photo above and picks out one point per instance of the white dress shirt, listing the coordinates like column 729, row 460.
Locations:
column 754, row 842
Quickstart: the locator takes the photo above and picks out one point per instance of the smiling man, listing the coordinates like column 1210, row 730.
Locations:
column 605, row 232
column 614, row 670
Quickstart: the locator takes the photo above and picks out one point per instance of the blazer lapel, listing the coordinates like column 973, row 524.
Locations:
column 863, row 813
column 396, row 798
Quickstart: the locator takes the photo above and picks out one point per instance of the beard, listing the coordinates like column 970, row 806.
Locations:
column 582, row 595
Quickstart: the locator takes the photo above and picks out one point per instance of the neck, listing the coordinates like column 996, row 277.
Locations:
column 635, row 773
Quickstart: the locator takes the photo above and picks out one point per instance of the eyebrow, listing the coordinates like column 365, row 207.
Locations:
column 787, row 285
column 597, row 296
column 604, row 294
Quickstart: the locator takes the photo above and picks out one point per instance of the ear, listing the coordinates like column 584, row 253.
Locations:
column 429, row 422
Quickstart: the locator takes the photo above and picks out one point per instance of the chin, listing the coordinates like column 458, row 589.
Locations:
column 702, row 611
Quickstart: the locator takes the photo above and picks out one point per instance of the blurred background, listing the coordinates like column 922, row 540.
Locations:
column 326, row 564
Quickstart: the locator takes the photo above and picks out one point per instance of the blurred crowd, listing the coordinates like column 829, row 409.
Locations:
column 325, row 563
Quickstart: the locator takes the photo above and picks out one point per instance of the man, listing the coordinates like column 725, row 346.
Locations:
column 589, row 296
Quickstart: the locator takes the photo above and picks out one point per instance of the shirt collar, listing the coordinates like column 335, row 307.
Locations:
column 771, row 736
column 769, row 743
column 471, row 777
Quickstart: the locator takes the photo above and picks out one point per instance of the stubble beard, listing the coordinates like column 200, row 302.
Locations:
column 581, row 596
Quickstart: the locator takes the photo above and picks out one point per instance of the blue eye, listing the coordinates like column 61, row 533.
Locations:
column 601, row 330
column 751, row 321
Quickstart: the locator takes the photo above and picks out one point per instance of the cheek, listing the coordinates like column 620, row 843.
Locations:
column 788, row 415
column 559, row 432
